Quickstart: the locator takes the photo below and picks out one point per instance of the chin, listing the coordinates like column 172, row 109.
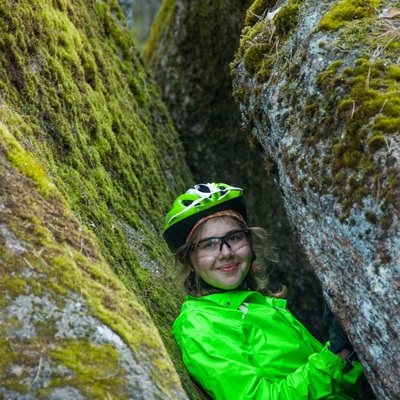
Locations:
column 229, row 287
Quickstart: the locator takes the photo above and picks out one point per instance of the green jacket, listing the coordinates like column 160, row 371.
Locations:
column 243, row 345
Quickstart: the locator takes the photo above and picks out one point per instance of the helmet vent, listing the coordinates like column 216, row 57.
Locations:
column 203, row 188
column 187, row 203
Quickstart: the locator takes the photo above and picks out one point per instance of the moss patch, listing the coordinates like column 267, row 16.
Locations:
column 257, row 11
column 347, row 11
column 77, row 97
column 161, row 23
column 360, row 97
column 368, row 111
column 286, row 19
column 96, row 371
column 26, row 162
column 261, row 42
column 45, row 253
column 78, row 107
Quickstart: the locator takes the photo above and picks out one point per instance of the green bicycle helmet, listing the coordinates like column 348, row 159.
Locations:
column 199, row 202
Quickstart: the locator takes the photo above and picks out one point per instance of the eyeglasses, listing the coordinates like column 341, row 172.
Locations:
column 212, row 246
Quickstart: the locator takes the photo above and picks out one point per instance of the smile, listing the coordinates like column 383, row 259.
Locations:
column 228, row 268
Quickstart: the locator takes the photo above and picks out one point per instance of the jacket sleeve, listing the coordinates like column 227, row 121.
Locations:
column 224, row 366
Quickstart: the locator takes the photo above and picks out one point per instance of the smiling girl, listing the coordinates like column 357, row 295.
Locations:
column 238, row 340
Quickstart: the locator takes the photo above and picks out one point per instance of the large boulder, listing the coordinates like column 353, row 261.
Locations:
column 318, row 86
column 69, row 328
column 89, row 165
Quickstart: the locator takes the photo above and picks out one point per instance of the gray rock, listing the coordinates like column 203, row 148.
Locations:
column 308, row 97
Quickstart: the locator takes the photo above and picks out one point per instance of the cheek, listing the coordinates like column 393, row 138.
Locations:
column 195, row 263
column 202, row 264
column 245, row 253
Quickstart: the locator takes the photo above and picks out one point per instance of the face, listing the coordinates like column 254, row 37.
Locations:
column 225, row 268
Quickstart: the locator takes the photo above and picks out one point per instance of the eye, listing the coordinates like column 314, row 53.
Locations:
column 208, row 244
column 235, row 236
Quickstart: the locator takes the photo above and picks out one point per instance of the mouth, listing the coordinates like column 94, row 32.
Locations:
column 228, row 268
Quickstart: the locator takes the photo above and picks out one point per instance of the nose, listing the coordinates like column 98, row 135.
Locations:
column 224, row 250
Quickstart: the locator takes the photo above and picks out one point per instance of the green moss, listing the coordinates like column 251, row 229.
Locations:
column 264, row 73
column 25, row 162
column 393, row 72
column 387, row 124
column 81, row 118
column 325, row 77
column 240, row 95
column 371, row 217
column 8, row 356
column 377, row 142
column 15, row 287
column 286, row 19
column 257, row 11
column 346, row 11
column 63, row 268
column 255, row 57
column 258, row 51
column 93, row 369
column 368, row 108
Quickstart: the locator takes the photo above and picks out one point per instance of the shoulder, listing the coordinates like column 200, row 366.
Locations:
column 217, row 312
column 195, row 322
column 197, row 310
column 205, row 314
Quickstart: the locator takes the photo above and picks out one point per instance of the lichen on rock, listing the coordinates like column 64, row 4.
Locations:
column 320, row 115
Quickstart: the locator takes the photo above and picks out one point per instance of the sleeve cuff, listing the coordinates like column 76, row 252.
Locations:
column 333, row 360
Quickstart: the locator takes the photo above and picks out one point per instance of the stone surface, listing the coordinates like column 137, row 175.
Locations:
column 318, row 87
column 69, row 328
column 89, row 165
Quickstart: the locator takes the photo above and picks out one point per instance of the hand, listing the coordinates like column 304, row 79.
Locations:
column 337, row 336
column 343, row 354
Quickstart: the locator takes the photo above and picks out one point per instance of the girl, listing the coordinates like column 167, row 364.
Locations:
column 238, row 340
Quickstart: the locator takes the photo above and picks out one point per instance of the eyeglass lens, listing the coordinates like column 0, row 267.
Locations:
column 234, row 240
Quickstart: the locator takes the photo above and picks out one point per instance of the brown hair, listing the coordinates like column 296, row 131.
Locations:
column 256, row 279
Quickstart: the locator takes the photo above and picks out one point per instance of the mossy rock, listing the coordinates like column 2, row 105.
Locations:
column 69, row 327
column 327, row 114
column 85, row 127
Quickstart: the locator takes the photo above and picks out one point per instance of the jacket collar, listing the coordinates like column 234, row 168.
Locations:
column 231, row 299
column 234, row 299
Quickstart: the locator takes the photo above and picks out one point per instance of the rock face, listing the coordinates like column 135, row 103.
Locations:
column 189, row 50
column 69, row 327
column 318, row 86
column 89, row 164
